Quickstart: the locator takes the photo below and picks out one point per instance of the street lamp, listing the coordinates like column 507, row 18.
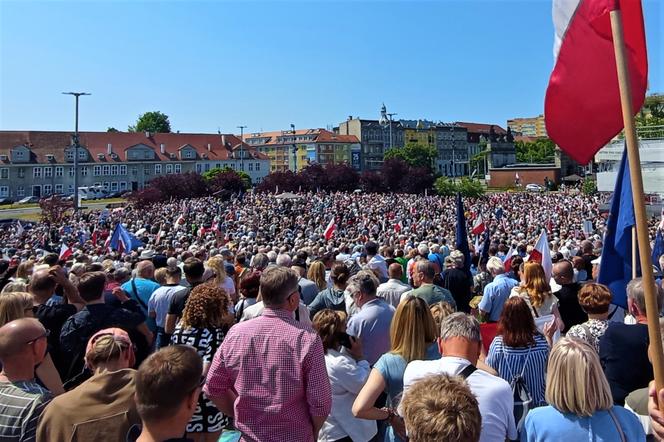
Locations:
column 292, row 126
column 76, row 95
column 242, row 147
column 453, row 150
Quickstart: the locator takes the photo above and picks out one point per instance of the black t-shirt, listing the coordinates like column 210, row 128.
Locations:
column 623, row 351
column 179, row 300
column 587, row 264
column 459, row 284
column 53, row 317
column 570, row 311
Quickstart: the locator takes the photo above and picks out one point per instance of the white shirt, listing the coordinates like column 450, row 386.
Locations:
column 378, row 265
column 256, row 310
column 392, row 290
column 493, row 394
column 347, row 377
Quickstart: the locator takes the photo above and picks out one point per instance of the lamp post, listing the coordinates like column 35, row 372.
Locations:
column 76, row 95
column 292, row 126
column 453, row 151
column 242, row 147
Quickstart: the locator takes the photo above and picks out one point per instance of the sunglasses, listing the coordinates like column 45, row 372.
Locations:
column 46, row 334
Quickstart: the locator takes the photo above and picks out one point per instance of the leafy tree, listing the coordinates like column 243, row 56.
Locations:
column 227, row 179
column 445, row 187
column 153, row 122
column 371, row 182
column 393, row 172
column 589, row 187
column 342, row 177
column 183, row 185
column 145, row 197
column 54, row 210
column 284, row 181
column 313, row 177
column 415, row 155
column 539, row 151
column 417, row 180
column 211, row 175
column 470, row 188
column 111, row 129
column 652, row 112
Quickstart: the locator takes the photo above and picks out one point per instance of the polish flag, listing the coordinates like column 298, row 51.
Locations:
column 582, row 104
column 507, row 260
column 329, row 230
column 478, row 226
column 398, row 226
column 65, row 252
column 180, row 220
column 542, row 254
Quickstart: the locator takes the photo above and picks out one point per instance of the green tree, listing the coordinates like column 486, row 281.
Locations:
column 541, row 150
column 212, row 174
column 153, row 122
column 445, row 187
column 112, row 129
column 416, row 155
column 589, row 187
column 470, row 188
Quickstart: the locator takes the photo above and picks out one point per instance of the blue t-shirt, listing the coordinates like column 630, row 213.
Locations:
column 391, row 367
column 145, row 287
column 547, row 424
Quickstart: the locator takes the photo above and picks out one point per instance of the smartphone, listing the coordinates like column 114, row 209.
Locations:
column 344, row 339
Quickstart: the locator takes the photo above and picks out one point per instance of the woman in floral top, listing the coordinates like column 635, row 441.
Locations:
column 595, row 300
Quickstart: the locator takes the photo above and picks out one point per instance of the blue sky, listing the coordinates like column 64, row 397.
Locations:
column 211, row 65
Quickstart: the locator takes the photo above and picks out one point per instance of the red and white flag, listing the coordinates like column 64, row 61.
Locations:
column 329, row 230
column 478, row 226
column 583, row 88
column 398, row 226
column 542, row 254
column 180, row 220
column 65, row 252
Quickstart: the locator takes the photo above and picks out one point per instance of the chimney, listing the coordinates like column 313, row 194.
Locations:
column 350, row 117
column 162, row 148
column 223, row 140
column 109, row 148
column 147, row 134
column 209, row 147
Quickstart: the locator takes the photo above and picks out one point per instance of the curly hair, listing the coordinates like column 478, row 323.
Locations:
column 535, row 284
column 207, row 307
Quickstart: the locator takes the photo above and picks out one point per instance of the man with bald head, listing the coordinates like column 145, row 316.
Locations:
column 423, row 276
column 392, row 290
column 141, row 287
column 568, row 296
column 22, row 400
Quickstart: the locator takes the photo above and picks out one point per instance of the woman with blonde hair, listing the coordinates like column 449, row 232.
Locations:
column 17, row 305
column 24, row 271
column 15, row 286
column 580, row 402
column 221, row 279
column 413, row 337
column 204, row 324
column 348, row 370
column 595, row 300
column 316, row 273
column 536, row 291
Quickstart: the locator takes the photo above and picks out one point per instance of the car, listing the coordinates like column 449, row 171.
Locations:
column 29, row 200
column 5, row 201
column 532, row 187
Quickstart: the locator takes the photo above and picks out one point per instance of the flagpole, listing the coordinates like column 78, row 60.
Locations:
column 634, row 258
column 637, row 191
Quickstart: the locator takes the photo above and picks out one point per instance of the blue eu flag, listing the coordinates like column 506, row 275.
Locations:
column 615, row 269
column 461, row 235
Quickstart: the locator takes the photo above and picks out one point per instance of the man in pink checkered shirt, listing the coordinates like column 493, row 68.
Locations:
column 269, row 373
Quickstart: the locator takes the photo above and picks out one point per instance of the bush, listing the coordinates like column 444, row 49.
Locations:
column 445, row 187
column 589, row 186
column 226, row 180
column 471, row 188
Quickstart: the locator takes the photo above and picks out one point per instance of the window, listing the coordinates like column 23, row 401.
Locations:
column 59, row 171
column 251, row 167
column 4, row 173
column 233, row 166
column 36, row 172
column 123, row 185
column 123, row 169
column 218, row 166
column 169, row 168
column 207, row 167
column 47, row 189
column 82, row 154
column 96, row 185
column 114, row 170
column 106, row 170
column 258, row 167
column 48, row 172
column 84, row 170
column 107, row 185
column 189, row 154
column 20, row 191
column 134, row 170
column 96, row 171
column 114, row 186
column 21, row 172
column 147, row 169
column 70, row 189
column 69, row 156
column 4, row 191
column 199, row 168
column 58, row 188
column 71, row 171
column 157, row 169
column 242, row 167
column 19, row 154
column 178, row 168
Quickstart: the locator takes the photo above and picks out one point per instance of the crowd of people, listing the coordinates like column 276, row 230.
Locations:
column 259, row 319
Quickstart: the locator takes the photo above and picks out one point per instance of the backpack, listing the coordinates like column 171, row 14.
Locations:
column 523, row 400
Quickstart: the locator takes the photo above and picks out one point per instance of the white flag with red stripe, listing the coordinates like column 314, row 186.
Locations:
column 583, row 88
column 329, row 230
column 478, row 226
column 542, row 254
column 65, row 252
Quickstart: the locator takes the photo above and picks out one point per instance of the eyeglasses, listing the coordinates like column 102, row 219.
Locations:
column 46, row 334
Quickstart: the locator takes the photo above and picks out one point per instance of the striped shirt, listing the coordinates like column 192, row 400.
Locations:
column 21, row 404
column 510, row 362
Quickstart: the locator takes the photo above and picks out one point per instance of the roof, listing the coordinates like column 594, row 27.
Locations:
column 325, row 136
column 481, row 128
column 272, row 137
column 42, row 143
